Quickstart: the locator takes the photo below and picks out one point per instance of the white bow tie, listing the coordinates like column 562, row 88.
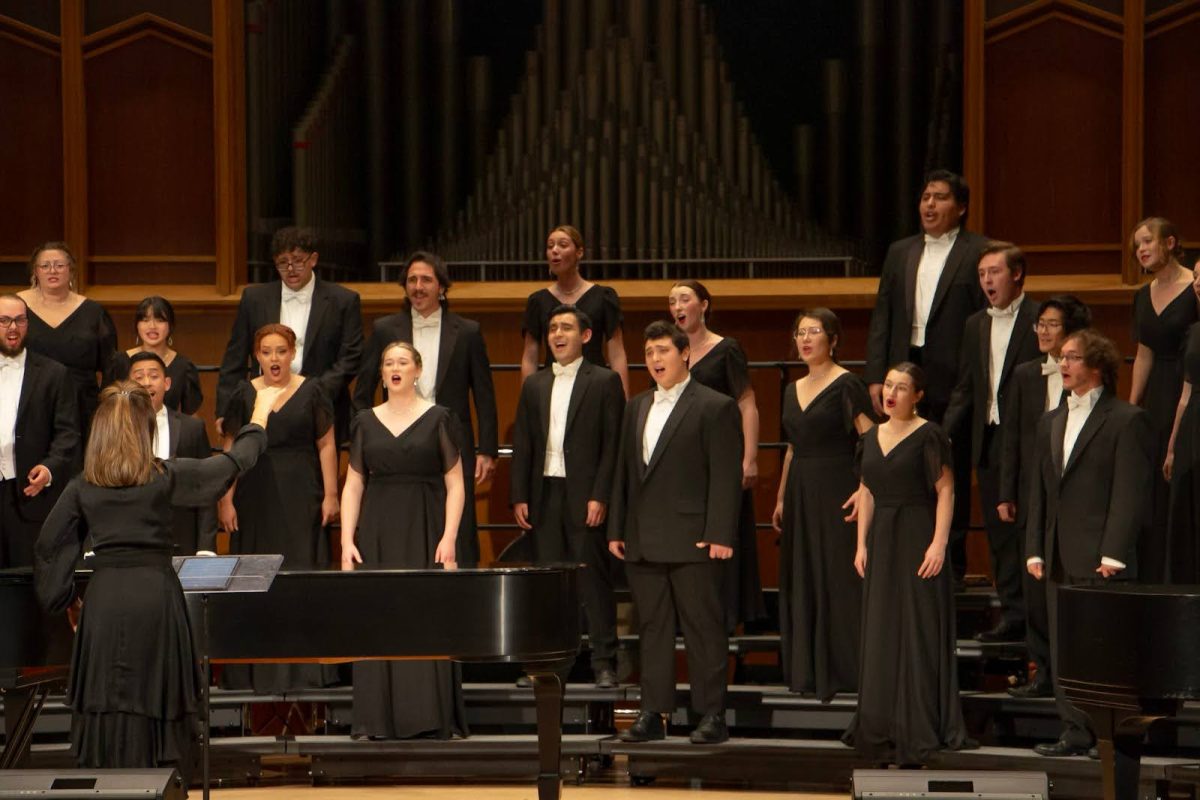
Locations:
column 6, row 362
column 1049, row 367
column 425, row 323
column 936, row 239
column 296, row 297
column 661, row 396
column 569, row 370
column 1002, row 313
column 1074, row 401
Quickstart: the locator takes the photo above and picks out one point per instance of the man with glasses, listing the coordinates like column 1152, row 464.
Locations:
column 995, row 340
column 326, row 318
column 39, row 435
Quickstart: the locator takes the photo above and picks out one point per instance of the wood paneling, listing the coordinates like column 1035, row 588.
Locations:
column 31, row 130
column 1172, row 114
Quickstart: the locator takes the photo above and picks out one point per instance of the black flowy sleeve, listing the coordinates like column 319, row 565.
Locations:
column 448, row 436
column 200, row 481
column 57, row 550
column 357, row 442
column 191, row 396
column 612, row 318
column 737, row 369
column 855, row 401
column 938, row 454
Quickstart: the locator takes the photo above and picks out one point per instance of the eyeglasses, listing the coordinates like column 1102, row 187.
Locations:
column 808, row 332
column 55, row 266
column 8, row 322
column 284, row 264
column 1071, row 358
column 1045, row 326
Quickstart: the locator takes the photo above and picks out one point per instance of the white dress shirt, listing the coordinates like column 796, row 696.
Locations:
column 12, row 375
column 560, row 401
column 1054, row 388
column 929, row 272
column 660, row 410
column 1003, row 320
column 162, row 435
column 427, row 338
column 294, row 308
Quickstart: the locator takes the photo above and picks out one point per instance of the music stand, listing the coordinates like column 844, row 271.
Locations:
column 205, row 575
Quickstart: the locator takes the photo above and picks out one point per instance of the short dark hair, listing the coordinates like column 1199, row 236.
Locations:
column 146, row 355
column 913, row 371
column 439, row 272
column 829, row 322
column 661, row 329
column 701, row 292
column 1099, row 353
column 155, row 307
column 292, row 238
column 1076, row 314
column 1014, row 259
column 958, row 187
column 581, row 317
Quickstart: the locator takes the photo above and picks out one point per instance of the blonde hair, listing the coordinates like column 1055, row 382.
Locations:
column 412, row 351
column 120, row 448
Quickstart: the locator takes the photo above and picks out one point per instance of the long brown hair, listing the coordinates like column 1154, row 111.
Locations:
column 120, row 448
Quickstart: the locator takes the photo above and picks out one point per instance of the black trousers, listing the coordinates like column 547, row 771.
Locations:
column 1004, row 538
column 692, row 589
column 1077, row 726
column 17, row 536
column 557, row 538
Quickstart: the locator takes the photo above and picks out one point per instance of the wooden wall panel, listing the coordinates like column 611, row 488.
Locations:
column 1053, row 132
column 150, row 148
column 31, row 132
column 1172, row 132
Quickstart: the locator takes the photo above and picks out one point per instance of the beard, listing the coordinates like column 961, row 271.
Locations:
column 10, row 351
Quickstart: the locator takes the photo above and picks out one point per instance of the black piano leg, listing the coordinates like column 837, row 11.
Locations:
column 21, row 709
column 548, row 694
column 1121, row 766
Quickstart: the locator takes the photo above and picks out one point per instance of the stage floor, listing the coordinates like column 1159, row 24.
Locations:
column 504, row 792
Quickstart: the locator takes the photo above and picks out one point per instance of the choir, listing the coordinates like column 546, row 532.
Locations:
column 963, row 372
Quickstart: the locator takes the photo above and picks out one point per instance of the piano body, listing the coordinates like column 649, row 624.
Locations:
column 528, row 615
column 1129, row 654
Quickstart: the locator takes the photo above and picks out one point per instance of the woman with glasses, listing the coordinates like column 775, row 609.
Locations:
column 719, row 363
column 154, row 328
column 1163, row 310
column 820, row 598
column 66, row 326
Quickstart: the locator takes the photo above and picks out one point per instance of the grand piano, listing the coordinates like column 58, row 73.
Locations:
column 1129, row 654
column 528, row 615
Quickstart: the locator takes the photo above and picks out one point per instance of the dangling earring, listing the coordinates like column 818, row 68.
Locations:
column 33, row 281
column 170, row 341
column 137, row 341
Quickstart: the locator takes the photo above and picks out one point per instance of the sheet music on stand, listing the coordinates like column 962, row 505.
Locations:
column 205, row 575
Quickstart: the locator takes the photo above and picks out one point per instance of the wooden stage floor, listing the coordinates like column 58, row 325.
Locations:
column 504, row 792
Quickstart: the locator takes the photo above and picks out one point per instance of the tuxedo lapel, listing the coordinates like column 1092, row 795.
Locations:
column 29, row 385
column 682, row 406
column 543, row 394
column 640, row 434
column 1022, row 330
column 450, row 325
column 953, row 262
column 1095, row 422
column 578, row 391
column 174, row 428
column 316, row 314
column 1058, row 430
column 911, row 263
column 274, row 301
column 985, row 351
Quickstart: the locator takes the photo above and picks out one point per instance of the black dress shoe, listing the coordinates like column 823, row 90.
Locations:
column 606, row 678
column 1059, row 749
column 1005, row 631
column 711, row 730
column 524, row 682
column 1034, row 688
column 648, row 727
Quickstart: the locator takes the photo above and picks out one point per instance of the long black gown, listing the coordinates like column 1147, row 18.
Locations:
column 908, row 703
column 185, row 394
column 724, row 369
column 278, row 505
column 600, row 303
column 820, row 595
column 135, row 685
column 84, row 343
column 1164, row 334
column 402, row 519
column 1183, row 514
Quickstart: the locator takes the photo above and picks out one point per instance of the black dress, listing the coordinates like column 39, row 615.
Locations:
column 184, row 395
column 908, row 703
column 1183, row 514
column 1165, row 335
column 84, row 343
column 135, row 685
column 402, row 519
column 724, row 369
column 820, row 595
column 278, row 505
column 600, row 303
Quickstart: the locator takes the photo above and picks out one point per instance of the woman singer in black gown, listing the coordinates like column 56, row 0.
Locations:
column 1163, row 310
column 820, row 597
column 134, row 687
column 719, row 363
column 1182, row 470
column 908, row 705
column 403, row 462
column 283, row 504
column 154, row 328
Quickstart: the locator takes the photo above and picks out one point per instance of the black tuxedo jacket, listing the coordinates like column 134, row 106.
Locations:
column 969, row 402
column 957, row 297
column 691, row 491
column 589, row 443
column 463, row 370
column 332, row 342
column 194, row 528
column 1024, row 408
column 1096, row 506
column 47, row 432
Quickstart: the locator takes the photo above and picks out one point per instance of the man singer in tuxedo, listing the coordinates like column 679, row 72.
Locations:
column 1088, row 497
column 564, row 452
column 39, row 435
column 455, row 372
column 177, row 435
column 326, row 317
column 675, row 504
column 995, row 340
